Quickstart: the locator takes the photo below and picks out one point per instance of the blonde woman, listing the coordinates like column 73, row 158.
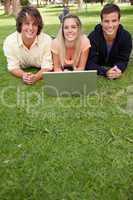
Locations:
column 71, row 47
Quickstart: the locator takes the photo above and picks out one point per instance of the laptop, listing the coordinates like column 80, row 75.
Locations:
column 70, row 83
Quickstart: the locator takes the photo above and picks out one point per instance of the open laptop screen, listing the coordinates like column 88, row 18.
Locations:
column 69, row 83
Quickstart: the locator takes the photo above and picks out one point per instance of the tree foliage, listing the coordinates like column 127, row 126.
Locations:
column 24, row 2
column 13, row 6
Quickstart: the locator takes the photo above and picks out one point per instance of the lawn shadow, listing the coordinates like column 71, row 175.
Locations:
column 127, row 11
column 5, row 31
column 86, row 11
column 52, row 29
column 94, row 13
column 56, row 8
column 4, row 16
column 89, row 13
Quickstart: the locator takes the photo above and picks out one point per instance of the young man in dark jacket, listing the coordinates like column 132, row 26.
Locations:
column 111, row 44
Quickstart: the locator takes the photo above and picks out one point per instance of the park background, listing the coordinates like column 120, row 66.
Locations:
column 71, row 148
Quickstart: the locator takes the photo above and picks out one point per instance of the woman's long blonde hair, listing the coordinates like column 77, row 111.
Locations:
column 61, row 39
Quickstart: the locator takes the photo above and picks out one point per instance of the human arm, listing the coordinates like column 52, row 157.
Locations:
column 55, row 55
column 45, row 61
column 114, row 73
column 56, row 62
column 94, row 56
column 17, row 72
column 122, row 53
column 84, row 52
column 44, row 55
column 12, row 53
column 46, row 66
column 27, row 77
column 34, row 77
column 83, row 59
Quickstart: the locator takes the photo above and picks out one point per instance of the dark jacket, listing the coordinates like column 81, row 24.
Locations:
column 119, row 54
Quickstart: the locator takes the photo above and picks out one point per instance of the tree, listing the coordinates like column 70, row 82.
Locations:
column 131, row 2
column 13, row 6
column 7, row 6
column 80, row 3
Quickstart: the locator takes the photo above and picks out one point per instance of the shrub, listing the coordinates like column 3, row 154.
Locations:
column 24, row 2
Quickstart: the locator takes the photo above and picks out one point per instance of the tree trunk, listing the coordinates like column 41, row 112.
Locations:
column 80, row 4
column 12, row 7
column 65, row 3
column 38, row 3
column 131, row 2
column 7, row 7
column 16, row 5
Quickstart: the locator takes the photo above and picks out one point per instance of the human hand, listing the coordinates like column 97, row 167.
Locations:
column 33, row 78
column 114, row 73
column 28, row 78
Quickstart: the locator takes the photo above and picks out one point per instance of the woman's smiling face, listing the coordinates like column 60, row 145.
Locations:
column 70, row 29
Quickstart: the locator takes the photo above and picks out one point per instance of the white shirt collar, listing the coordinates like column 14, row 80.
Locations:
column 20, row 41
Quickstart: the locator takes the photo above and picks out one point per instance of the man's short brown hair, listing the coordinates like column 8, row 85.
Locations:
column 110, row 8
column 31, row 11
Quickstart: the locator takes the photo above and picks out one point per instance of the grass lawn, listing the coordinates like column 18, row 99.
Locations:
column 78, row 148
